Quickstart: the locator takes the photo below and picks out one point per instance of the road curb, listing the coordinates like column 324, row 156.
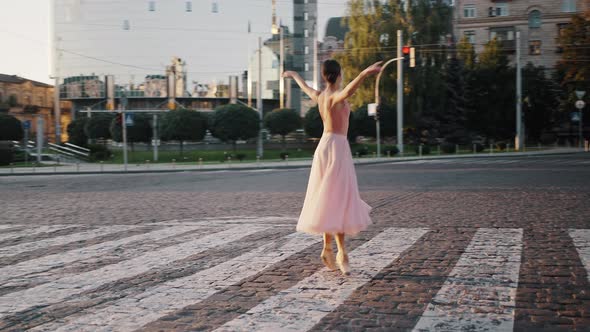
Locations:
column 279, row 167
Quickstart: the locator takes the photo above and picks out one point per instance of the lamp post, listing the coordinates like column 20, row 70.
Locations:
column 580, row 104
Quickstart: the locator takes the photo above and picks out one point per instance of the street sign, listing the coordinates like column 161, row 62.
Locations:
column 575, row 116
column 129, row 119
column 27, row 124
column 580, row 104
column 372, row 109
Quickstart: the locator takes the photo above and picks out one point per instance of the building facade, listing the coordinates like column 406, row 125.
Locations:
column 539, row 23
column 27, row 100
column 305, row 31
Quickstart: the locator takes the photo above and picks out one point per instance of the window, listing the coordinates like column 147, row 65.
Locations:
column 275, row 63
column 40, row 101
column 501, row 9
column 306, row 49
column 189, row 6
column 469, row 11
column 152, row 6
column 306, row 33
column 306, row 67
column 568, row 6
column 305, row 16
column 535, row 19
column 560, row 33
column 126, row 25
column 470, row 35
column 534, row 47
column 502, row 34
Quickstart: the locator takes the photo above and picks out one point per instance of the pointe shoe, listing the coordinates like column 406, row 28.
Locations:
column 342, row 260
column 328, row 259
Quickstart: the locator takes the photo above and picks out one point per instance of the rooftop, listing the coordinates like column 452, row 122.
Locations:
column 19, row 80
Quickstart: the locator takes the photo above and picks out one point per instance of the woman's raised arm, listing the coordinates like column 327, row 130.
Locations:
column 351, row 88
column 311, row 92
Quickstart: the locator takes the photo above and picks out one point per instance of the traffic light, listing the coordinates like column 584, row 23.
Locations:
column 407, row 50
column 119, row 118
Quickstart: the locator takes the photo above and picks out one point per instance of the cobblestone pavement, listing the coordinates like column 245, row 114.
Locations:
column 470, row 244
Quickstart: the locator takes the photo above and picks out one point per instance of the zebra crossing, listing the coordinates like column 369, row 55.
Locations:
column 498, row 161
column 48, row 292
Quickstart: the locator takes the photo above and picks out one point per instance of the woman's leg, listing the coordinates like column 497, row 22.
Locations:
column 327, row 253
column 342, row 257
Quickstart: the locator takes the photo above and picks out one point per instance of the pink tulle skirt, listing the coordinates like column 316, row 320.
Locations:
column 332, row 202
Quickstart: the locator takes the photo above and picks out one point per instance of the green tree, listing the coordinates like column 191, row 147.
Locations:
column 139, row 132
column 76, row 133
column 452, row 120
column 363, row 44
column 540, row 95
column 493, row 56
column 183, row 125
column 312, row 123
column 11, row 128
column 490, row 96
column 366, row 126
column 466, row 53
column 97, row 127
column 234, row 122
column 574, row 41
column 282, row 122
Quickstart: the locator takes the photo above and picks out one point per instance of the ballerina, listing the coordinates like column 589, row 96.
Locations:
column 333, row 206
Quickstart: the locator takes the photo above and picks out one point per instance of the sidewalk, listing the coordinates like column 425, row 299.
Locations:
column 96, row 168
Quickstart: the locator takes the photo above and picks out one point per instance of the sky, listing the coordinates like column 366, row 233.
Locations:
column 25, row 33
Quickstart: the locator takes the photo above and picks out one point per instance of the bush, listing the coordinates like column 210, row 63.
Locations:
column 448, row 147
column 479, row 147
column 393, row 150
column 425, row 149
column 501, row 146
column 99, row 152
column 240, row 156
column 361, row 151
column 548, row 138
column 6, row 153
column 11, row 128
column 284, row 155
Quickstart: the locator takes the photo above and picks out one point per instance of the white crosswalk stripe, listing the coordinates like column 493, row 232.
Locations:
column 481, row 290
column 34, row 231
column 133, row 312
column 62, row 288
column 43, row 264
column 303, row 305
column 60, row 240
column 478, row 294
column 581, row 238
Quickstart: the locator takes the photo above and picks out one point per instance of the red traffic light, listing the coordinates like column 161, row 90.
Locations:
column 406, row 50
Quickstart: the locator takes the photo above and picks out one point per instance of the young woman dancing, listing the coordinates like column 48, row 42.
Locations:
column 333, row 206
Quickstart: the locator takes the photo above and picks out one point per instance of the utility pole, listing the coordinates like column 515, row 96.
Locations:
column 122, row 107
column 54, row 65
column 249, row 83
column 315, row 57
column 260, row 149
column 155, row 135
column 400, row 96
column 281, row 68
column 519, row 140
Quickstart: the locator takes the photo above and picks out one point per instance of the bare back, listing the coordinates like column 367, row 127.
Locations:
column 334, row 116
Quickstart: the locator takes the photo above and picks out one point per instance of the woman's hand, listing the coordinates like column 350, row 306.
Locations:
column 374, row 68
column 288, row 74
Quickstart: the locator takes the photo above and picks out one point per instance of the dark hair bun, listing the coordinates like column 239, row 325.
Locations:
column 331, row 71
